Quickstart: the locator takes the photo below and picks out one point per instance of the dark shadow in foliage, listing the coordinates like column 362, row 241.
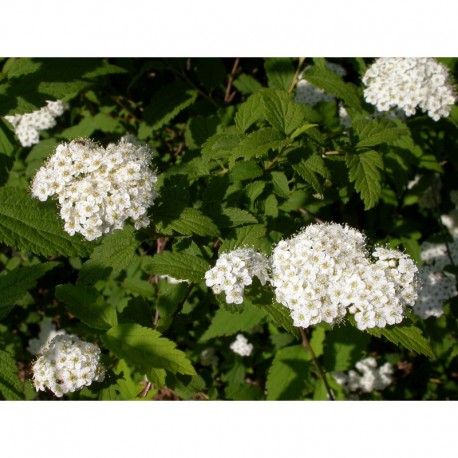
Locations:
column 138, row 310
column 32, row 86
column 345, row 345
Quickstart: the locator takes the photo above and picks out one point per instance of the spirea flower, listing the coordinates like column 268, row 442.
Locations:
column 28, row 126
column 308, row 93
column 67, row 364
column 235, row 270
column 367, row 378
column 46, row 334
column 325, row 270
column 241, row 346
column 98, row 188
column 409, row 83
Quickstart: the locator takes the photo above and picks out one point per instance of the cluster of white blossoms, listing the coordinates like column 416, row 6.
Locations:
column 235, row 270
column 308, row 93
column 46, row 334
column 241, row 346
column 408, row 83
column 98, row 188
column 28, row 126
column 67, row 364
column 368, row 378
column 325, row 270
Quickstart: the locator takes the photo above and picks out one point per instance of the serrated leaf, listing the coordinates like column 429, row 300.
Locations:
column 407, row 336
column 254, row 189
column 280, row 72
column 146, row 349
column 10, row 385
column 364, row 171
column 15, row 283
column 115, row 253
column 281, row 111
column 280, row 184
column 171, row 217
column 181, row 266
column 375, row 132
column 249, row 112
column 288, row 375
column 220, row 145
column 233, row 217
column 257, row 144
column 200, row 129
column 245, row 170
column 246, row 84
column 225, row 323
column 253, row 235
column 167, row 103
column 343, row 347
column 7, row 140
column 30, row 225
column 86, row 303
column 323, row 78
column 301, row 130
column 138, row 286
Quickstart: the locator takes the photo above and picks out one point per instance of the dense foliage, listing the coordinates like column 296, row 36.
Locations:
column 243, row 159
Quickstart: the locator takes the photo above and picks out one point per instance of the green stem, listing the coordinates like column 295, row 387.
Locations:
column 306, row 344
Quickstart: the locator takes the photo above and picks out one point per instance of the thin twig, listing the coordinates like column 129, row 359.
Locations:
column 145, row 390
column 311, row 215
column 228, row 96
column 298, row 70
column 306, row 344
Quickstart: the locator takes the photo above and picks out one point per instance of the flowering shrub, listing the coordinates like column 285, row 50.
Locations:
column 240, row 229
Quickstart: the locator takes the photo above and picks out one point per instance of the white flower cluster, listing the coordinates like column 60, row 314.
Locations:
column 28, row 126
column 325, row 270
column 98, row 188
column 408, row 83
column 46, row 334
column 67, row 364
column 369, row 378
column 438, row 286
column 308, row 93
column 235, row 270
column 241, row 346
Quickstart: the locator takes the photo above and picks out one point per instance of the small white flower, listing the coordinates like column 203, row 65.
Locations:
column 241, row 346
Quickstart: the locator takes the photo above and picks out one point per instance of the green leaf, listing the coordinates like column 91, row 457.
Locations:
column 364, row 170
column 86, row 303
column 114, row 254
column 15, row 283
column 323, row 78
column 181, row 266
column 167, row 103
column 280, row 72
column 245, row 170
column 200, row 129
column 220, row 145
column 30, row 225
column 343, row 347
column 257, row 144
column 225, row 323
column 288, row 376
column 377, row 131
column 7, row 140
column 10, row 385
column 282, row 112
column 249, row 112
column 253, row 235
column 406, row 335
column 246, row 84
column 170, row 217
column 310, row 168
column 280, row 184
column 146, row 349
column 138, row 286
column 233, row 217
